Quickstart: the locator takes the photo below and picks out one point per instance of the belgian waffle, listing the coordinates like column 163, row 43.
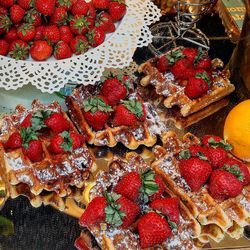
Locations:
column 143, row 133
column 107, row 237
column 55, row 173
column 229, row 216
column 173, row 93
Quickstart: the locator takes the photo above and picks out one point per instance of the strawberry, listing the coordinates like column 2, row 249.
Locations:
column 39, row 32
column 57, row 123
column 45, row 7
column 128, row 113
column 183, row 69
column 130, row 209
column 95, row 37
column 77, row 140
column 231, row 164
column 80, row 8
column 198, row 85
column 111, row 28
column 195, row 171
column 3, row 10
column 26, row 32
column 168, row 207
column 5, row 23
column 25, row 4
column 153, row 230
column 59, row 17
column 62, row 51
column 14, row 141
column 40, row 50
column 101, row 4
column 198, row 151
column 79, row 45
column 19, row 50
column 66, row 34
column 224, row 185
column 11, row 35
column 117, row 9
column 204, row 63
column 94, row 213
column 129, row 186
column 103, row 21
column 16, row 13
column 51, row 33
column 190, row 53
column 215, row 141
column 4, row 47
column 91, row 11
column 161, row 188
column 66, row 4
column 26, row 121
column 114, row 90
column 162, row 63
column 96, row 111
column 216, row 156
column 79, row 25
column 81, row 244
column 33, row 17
column 6, row 3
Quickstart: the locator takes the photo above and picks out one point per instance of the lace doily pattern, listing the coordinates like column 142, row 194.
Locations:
column 116, row 52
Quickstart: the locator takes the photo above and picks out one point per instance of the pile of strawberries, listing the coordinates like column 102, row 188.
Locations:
column 211, row 164
column 191, row 67
column 110, row 105
column 44, row 126
column 59, row 27
column 124, row 207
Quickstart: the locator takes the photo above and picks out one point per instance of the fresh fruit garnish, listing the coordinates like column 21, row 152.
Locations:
column 224, row 185
column 101, row 4
column 96, row 112
column 168, row 207
column 195, row 172
column 66, row 34
column 183, row 69
column 129, row 113
column 237, row 130
column 117, row 9
column 45, row 7
column 194, row 151
column 190, row 53
column 80, row 7
column 104, row 21
column 59, row 17
column 95, row 36
column 51, row 33
column 62, row 51
column 161, row 188
column 16, row 13
column 215, row 141
column 57, row 123
column 79, row 25
column 14, row 141
column 153, row 229
column 216, row 156
column 26, row 32
column 40, row 50
column 79, row 45
column 4, row 47
column 231, row 164
column 114, row 90
column 204, row 63
column 33, row 17
column 19, row 50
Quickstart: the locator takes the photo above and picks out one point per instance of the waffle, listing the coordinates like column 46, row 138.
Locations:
column 107, row 237
column 55, row 173
column 143, row 133
column 229, row 216
column 173, row 93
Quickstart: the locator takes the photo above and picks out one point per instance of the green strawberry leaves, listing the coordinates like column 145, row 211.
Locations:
column 221, row 144
column 174, row 56
column 113, row 214
column 134, row 106
column 94, row 104
column 204, row 75
column 149, row 186
column 235, row 170
column 200, row 55
column 67, row 144
column 184, row 154
column 38, row 118
column 28, row 134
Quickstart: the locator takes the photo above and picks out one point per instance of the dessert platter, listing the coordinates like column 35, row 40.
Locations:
column 119, row 155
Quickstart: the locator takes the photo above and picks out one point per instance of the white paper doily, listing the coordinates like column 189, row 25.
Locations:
column 116, row 52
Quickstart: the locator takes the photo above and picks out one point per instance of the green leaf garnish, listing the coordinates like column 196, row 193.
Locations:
column 235, row 170
column 28, row 134
column 200, row 55
column 67, row 141
column 38, row 118
column 134, row 106
column 94, row 104
column 221, row 144
column 174, row 56
column 204, row 75
column 201, row 156
column 184, row 154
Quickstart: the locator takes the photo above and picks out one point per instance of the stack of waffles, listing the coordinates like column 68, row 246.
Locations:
column 186, row 78
column 218, row 215
column 131, row 132
column 42, row 155
column 97, row 234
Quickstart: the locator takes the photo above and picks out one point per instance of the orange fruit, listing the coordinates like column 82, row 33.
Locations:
column 237, row 130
